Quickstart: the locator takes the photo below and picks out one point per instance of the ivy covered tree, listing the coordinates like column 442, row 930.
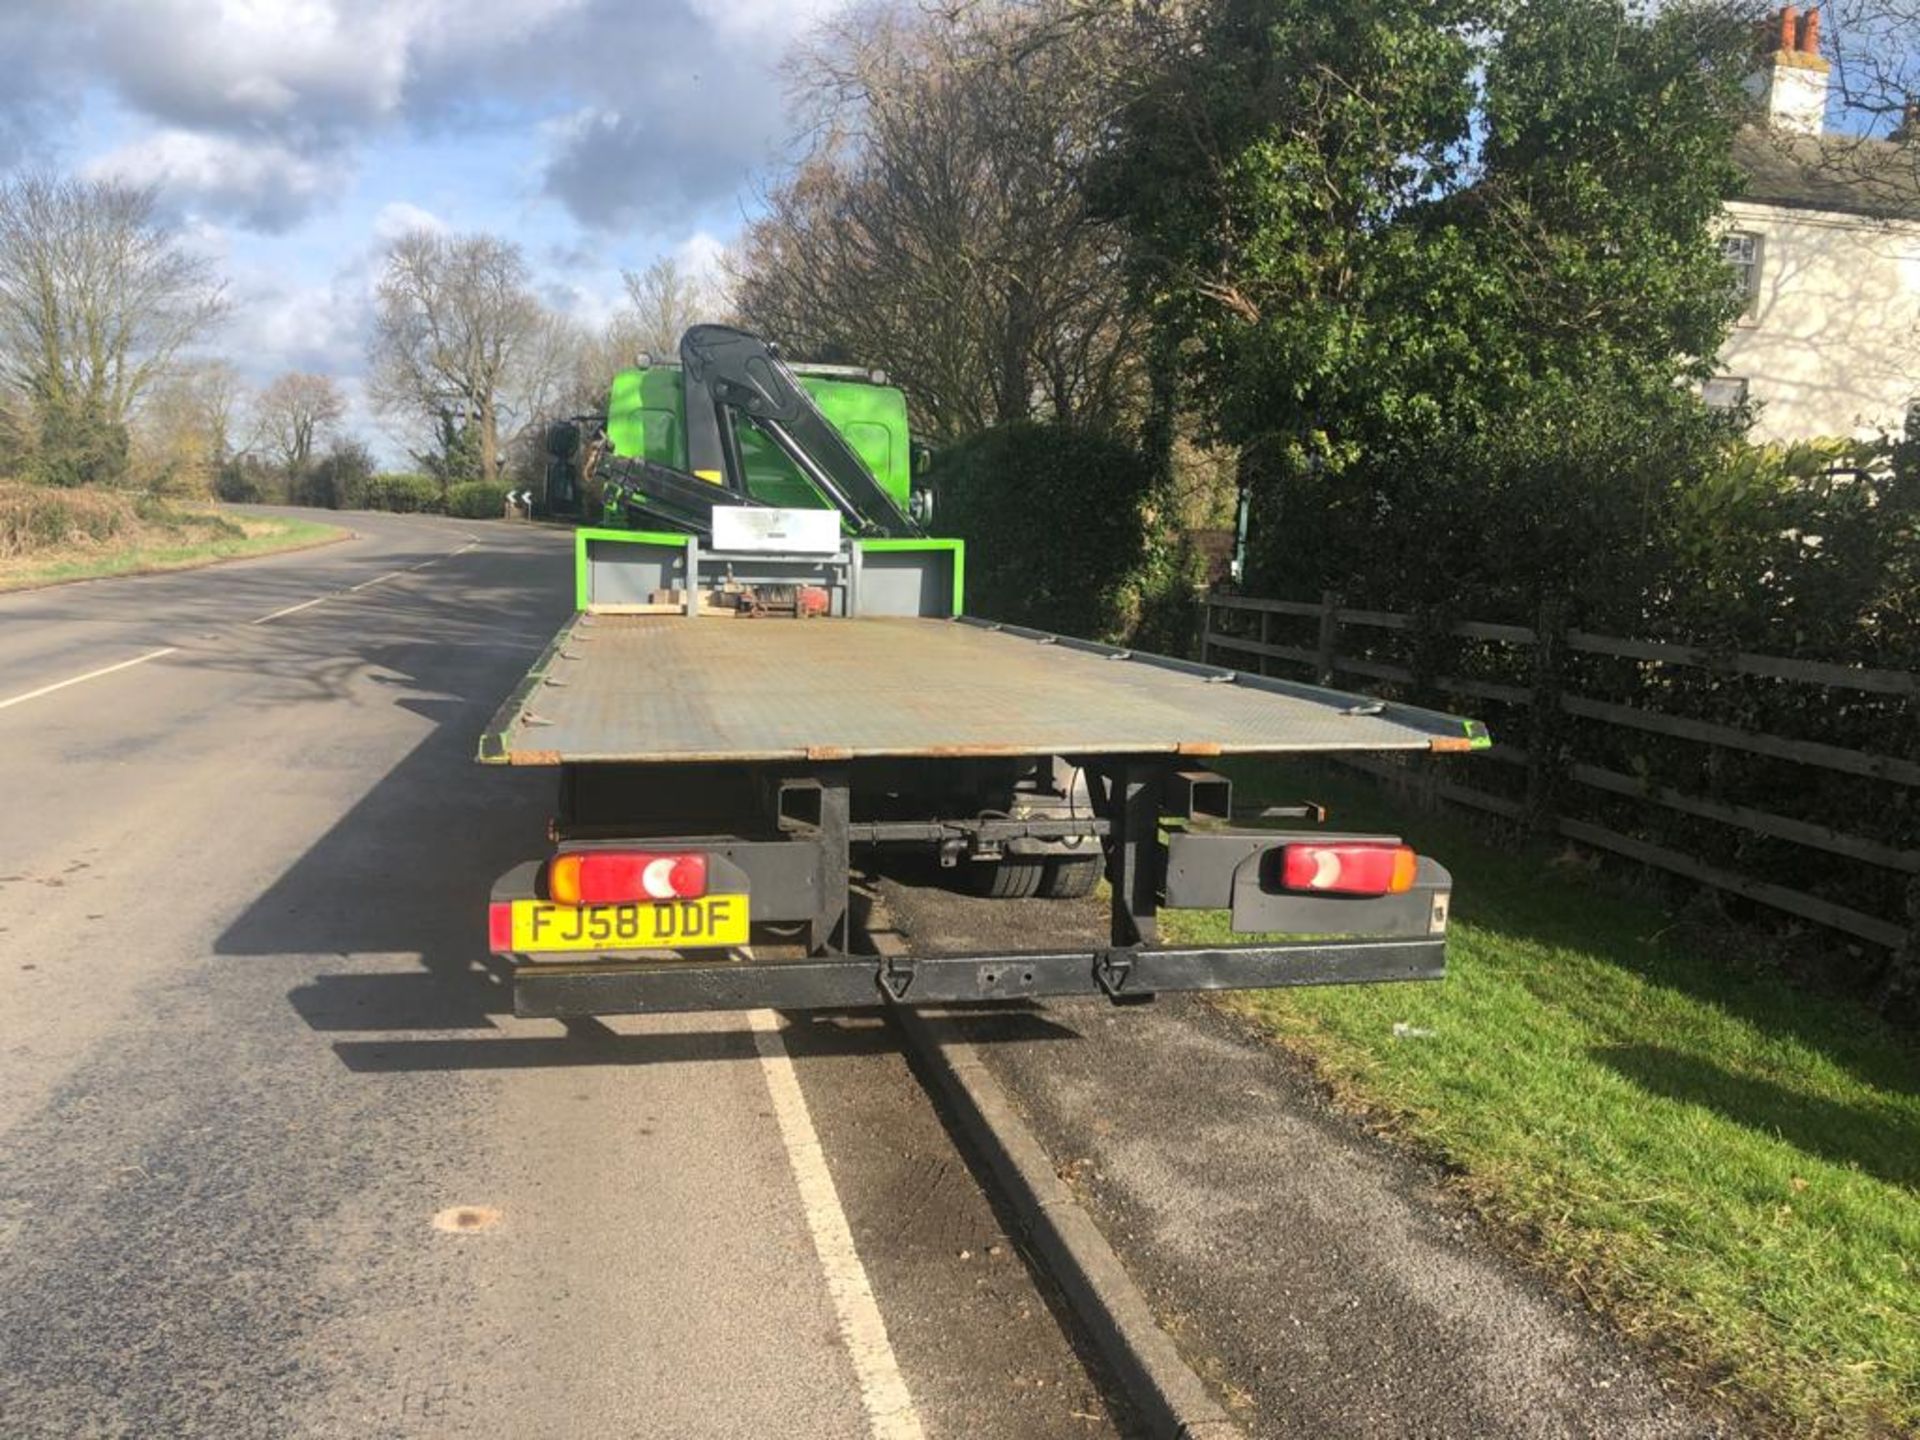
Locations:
column 1441, row 271
column 455, row 457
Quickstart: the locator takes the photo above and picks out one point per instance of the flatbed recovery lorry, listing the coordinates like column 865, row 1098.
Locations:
column 751, row 695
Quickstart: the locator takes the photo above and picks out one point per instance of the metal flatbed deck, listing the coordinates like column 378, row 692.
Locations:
column 666, row 688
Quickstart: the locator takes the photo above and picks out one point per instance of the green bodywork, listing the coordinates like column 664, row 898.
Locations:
column 646, row 421
column 586, row 538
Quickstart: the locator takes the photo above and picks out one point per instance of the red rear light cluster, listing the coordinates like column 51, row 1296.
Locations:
column 1351, row 868
column 613, row 877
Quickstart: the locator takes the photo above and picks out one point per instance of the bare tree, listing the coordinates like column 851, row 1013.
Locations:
column 292, row 412
column 663, row 300
column 218, row 394
column 458, row 332
column 1869, row 163
column 97, row 296
column 938, row 225
column 1876, row 67
column 183, row 432
column 596, row 359
column 545, row 379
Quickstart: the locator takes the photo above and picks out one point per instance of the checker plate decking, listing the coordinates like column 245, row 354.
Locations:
column 649, row 688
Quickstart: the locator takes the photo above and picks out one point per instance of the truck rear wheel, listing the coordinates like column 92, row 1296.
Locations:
column 1070, row 877
column 1009, row 879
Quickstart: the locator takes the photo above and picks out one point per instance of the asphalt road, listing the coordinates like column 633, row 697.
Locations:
column 275, row 1159
column 1327, row 1283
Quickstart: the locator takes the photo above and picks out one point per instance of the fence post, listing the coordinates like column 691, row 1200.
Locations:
column 1206, row 627
column 1328, row 654
column 1903, row 979
column 1901, row 993
column 1547, row 722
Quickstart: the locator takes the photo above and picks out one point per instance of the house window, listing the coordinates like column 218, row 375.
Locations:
column 1724, row 392
column 1741, row 251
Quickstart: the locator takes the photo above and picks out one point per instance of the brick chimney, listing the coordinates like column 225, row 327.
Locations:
column 1791, row 83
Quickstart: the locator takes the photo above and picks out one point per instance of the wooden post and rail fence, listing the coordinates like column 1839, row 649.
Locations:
column 1554, row 736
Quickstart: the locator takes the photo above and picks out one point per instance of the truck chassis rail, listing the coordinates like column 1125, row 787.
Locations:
column 566, row 991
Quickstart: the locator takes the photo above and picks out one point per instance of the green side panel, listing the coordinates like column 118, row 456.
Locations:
column 582, row 585
column 957, row 547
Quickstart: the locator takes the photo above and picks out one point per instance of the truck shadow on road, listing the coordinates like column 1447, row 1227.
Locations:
column 388, row 906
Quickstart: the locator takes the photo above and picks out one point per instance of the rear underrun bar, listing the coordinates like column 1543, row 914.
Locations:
column 568, row 991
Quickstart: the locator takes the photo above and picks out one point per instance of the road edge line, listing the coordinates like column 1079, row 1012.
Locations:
column 891, row 1413
column 1170, row 1398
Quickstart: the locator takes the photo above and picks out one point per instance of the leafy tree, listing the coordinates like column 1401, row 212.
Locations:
column 1440, row 269
column 455, row 458
column 79, row 445
column 343, row 472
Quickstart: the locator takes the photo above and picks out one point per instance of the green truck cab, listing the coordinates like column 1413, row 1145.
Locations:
column 646, row 420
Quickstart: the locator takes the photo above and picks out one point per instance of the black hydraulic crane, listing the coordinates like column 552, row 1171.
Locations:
column 732, row 376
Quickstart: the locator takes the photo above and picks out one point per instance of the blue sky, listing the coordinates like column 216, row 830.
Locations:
column 292, row 138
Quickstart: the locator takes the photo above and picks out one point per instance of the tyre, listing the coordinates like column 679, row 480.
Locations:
column 1070, row 877
column 1009, row 879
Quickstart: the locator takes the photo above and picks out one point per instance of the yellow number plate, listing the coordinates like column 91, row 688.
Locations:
column 649, row 925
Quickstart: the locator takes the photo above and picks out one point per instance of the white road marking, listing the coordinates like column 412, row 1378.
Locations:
column 257, row 620
column 291, row 609
column 890, row 1411
column 351, row 589
column 450, row 555
column 90, row 675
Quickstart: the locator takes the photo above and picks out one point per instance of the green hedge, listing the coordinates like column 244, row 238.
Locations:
column 1054, row 525
column 477, row 500
column 402, row 494
column 318, row 489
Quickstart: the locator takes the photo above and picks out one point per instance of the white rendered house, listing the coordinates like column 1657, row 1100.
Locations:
column 1827, row 244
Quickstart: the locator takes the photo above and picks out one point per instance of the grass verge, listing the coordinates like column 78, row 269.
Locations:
column 1726, row 1163
column 48, row 537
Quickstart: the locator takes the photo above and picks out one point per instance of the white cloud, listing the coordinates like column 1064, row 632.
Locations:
column 281, row 67
column 323, row 327
column 401, row 217
column 670, row 104
column 764, row 19
column 263, row 185
column 280, row 322
column 702, row 254
column 601, row 132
